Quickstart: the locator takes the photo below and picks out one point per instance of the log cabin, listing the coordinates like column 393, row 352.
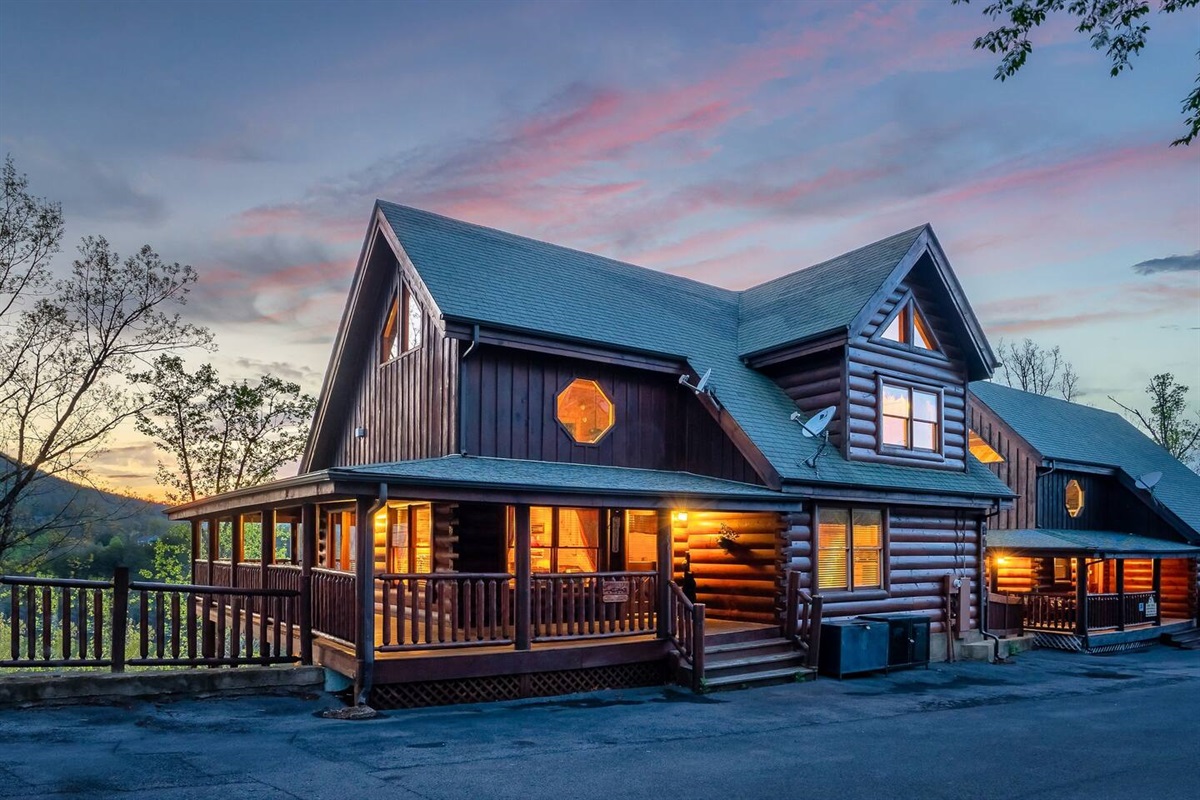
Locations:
column 1102, row 545
column 535, row 470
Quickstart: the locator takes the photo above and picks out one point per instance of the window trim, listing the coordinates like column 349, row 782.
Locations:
column 1078, row 512
column 883, row 448
column 909, row 301
column 880, row 592
column 398, row 310
column 608, row 395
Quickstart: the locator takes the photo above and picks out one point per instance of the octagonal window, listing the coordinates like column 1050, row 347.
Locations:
column 585, row 411
column 1074, row 498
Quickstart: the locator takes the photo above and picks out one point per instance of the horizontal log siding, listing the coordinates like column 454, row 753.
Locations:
column 409, row 406
column 923, row 547
column 510, row 398
column 1018, row 470
column 866, row 360
column 816, row 382
column 741, row 581
column 1015, row 575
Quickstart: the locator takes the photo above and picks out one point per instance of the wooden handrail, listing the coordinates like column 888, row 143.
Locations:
column 686, row 632
column 802, row 618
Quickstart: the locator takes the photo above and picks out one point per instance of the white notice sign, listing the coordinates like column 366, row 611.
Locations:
column 1151, row 607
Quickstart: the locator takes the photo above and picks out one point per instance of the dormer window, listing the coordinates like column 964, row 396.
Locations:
column 401, row 331
column 908, row 326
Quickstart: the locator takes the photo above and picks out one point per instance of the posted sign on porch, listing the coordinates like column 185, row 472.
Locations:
column 1151, row 608
column 614, row 591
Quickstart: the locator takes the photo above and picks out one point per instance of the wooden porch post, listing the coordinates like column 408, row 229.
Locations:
column 308, row 555
column 214, row 544
column 666, row 568
column 1121, row 594
column 1156, row 587
column 236, row 552
column 1081, row 595
column 195, row 549
column 267, row 547
column 364, row 571
column 524, row 576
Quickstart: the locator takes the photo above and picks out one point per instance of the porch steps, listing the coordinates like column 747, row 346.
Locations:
column 752, row 657
column 1186, row 640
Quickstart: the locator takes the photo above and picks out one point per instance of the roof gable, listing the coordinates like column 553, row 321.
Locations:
column 1070, row 432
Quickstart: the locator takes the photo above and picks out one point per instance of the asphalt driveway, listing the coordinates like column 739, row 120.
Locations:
column 1052, row 725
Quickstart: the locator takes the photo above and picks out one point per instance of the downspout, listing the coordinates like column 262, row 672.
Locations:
column 365, row 573
column 984, row 589
column 462, row 419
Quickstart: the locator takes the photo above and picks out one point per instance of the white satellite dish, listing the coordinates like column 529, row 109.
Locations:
column 700, row 385
column 815, row 425
column 1148, row 481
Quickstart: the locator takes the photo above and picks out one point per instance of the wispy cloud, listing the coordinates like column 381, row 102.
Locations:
column 1169, row 264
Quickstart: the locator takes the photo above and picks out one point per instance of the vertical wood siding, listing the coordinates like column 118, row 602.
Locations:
column 509, row 407
column 867, row 360
column 408, row 405
column 1018, row 470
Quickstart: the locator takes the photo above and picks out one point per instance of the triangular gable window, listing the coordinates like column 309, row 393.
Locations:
column 907, row 325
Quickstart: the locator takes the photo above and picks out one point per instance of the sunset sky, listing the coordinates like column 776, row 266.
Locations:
column 728, row 142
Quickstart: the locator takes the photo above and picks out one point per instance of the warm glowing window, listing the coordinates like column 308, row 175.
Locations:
column 561, row 539
column 409, row 537
column 849, row 549
column 908, row 326
column 1074, row 498
column 641, row 539
column 982, row 450
column 585, row 411
column 910, row 417
column 401, row 331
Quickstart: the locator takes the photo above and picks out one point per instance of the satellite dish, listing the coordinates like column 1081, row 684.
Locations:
column 1148, row 481
column 818, row 422
column 699, row 388
column 704, row 380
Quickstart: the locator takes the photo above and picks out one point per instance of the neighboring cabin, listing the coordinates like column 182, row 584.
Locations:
column 1102, row 560
column 508, row 416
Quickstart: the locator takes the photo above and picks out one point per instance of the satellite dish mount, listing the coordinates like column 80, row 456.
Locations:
column 1148, row 481
column 815, row 428
column 701, row 386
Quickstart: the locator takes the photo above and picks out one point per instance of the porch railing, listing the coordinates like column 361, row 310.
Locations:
column 118, row 623
column 802, row 619
column 593, row 605
column 1059, row 612
column 452, row 609
column 1005, row 614
column 685, row 628
column 334, row 605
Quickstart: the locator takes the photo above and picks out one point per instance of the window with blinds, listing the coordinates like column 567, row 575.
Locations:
column 849, row 549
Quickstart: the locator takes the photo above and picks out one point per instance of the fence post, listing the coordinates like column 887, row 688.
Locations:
column 120, row 617
column 698, row 647
column 791, row 601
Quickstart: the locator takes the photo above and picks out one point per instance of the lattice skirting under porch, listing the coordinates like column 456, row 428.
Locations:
column 1074, row 644
column 515, row 687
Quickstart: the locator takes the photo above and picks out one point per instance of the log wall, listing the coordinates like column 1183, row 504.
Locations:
column 923, row 545
column 739, row 581
column 816, row 382
column 868, row 360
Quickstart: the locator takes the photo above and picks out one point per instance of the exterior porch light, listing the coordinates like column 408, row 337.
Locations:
column 681, row 517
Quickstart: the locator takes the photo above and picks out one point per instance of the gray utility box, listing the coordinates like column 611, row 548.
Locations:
column 908, row 638
column 852, row 646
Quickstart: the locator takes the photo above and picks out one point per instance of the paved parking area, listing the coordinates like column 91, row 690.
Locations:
column 1052, row 725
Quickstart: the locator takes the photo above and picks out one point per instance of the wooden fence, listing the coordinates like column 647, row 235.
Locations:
column 1059, row 612
column 118, row 623
column 437, row 610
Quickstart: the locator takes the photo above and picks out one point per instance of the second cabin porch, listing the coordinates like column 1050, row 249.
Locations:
column 1095, row 591
column 521, row 598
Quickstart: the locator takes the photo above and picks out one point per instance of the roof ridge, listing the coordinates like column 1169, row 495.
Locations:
column 490, row 230
column 868, row 246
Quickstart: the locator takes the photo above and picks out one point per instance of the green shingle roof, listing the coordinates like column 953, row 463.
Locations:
column 1077, row 433
column 555, row 476
column 830, row 294
column 1099, row 544
column 478, row 274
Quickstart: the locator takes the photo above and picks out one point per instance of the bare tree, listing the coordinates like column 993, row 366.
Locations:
column 67, row 347
column 222, row 436
column 1032, row 368
column 1167, row 421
